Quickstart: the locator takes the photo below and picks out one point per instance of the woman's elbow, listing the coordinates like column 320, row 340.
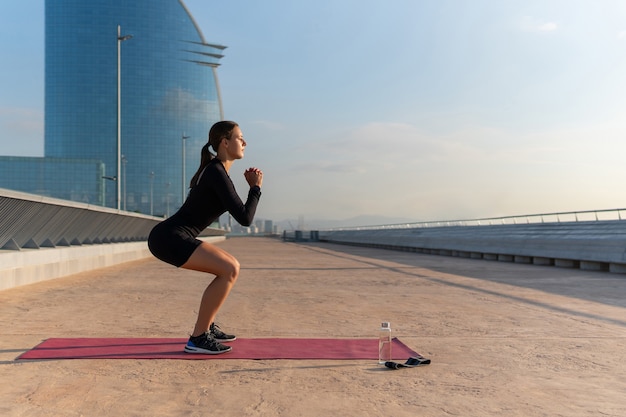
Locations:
column 245, row 222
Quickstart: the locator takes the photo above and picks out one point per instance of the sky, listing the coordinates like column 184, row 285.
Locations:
column 399, row 109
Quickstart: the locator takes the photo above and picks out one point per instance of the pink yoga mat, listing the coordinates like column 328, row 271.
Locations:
column 161, row 348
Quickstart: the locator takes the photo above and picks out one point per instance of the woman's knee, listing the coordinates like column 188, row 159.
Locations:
column 207, row 258
column 232, row 270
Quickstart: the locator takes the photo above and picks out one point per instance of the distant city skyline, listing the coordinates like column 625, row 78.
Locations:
column 425, row 110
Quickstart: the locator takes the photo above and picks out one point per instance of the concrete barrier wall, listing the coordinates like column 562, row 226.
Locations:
column 29, row 221
column 43, row 238
column 594, row 245
column 30, row 266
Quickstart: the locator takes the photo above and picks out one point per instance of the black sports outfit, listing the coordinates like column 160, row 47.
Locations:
column 174, row 239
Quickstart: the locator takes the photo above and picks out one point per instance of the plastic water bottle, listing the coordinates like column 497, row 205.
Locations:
column 384, row 343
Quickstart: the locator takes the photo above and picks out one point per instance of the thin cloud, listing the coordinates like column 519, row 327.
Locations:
column 23, row 130
column 328, row 167
column 269, row 125
column 547, row 27
column 534, row 25
column 21, row 120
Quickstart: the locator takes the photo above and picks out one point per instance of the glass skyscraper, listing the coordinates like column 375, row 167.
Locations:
column 169, row 98
column 42, row 176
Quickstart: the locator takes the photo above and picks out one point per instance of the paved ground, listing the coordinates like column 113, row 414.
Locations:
column 505, row 339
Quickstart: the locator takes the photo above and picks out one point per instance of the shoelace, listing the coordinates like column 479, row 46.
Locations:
column 215, row 330
column 210, row 340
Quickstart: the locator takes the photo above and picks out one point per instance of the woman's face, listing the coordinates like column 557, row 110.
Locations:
column 235, row 145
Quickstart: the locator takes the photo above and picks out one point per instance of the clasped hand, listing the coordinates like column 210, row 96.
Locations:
column 254, row 176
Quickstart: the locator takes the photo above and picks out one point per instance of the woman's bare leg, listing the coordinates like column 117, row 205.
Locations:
column 213, row 260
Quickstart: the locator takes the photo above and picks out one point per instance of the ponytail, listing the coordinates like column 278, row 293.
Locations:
column 205, row 158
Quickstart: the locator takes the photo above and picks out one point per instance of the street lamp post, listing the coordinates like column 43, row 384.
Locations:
column 167, row 199
column 151, row 193
column 184, row 180
column 124, row 162
column 120, row 39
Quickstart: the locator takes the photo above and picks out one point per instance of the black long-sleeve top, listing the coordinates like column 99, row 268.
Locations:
column 214, row 195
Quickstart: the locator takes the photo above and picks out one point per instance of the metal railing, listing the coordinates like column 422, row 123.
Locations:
column 29, row 221
column 560, row 217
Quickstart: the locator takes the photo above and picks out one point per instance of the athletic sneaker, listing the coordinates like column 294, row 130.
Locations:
column 206, row 343
column 219, row 335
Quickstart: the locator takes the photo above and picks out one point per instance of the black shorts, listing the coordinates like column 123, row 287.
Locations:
column 172, row 244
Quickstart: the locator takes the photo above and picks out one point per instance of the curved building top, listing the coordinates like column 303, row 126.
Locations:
column 169, row 98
